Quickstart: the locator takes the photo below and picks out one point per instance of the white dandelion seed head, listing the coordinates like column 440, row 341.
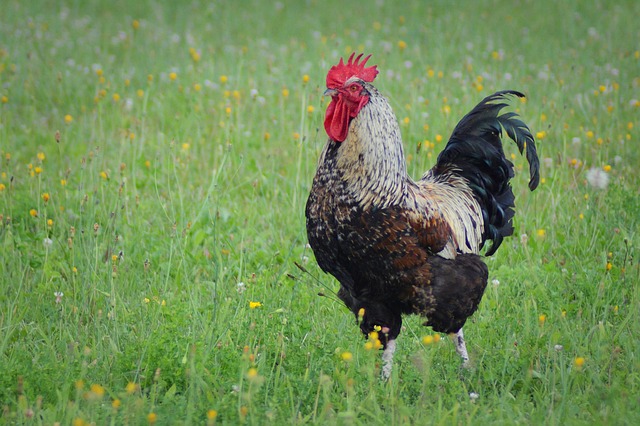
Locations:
column 597, row 178
column 47, row 242
column 558, row 348
column 543, row 75
column 473, row 396
column 576, row 140
column 241, row 287
column 495, row 282
column 524, row 238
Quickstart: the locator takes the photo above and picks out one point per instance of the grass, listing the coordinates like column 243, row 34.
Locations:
column 156, row 158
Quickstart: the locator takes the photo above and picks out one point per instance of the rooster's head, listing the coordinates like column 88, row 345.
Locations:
column 345, row 85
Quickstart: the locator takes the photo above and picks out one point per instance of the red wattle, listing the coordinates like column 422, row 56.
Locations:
column 336, row 121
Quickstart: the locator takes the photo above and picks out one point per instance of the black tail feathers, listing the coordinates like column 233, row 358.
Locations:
column 475, row 152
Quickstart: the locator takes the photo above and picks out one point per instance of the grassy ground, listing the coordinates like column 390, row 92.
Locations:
column 156, row 158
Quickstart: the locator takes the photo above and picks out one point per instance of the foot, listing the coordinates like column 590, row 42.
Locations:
column 387, row 359
column 461, row 347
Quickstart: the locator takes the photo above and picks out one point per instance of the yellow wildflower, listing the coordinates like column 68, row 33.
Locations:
column 346, row 356
column 402, row 45
column 33, row 213
column 310, row 109
column 253, row 305
column 135, row 24
column 427, row 340
column 97, row 390
column 305, row 78
column 579, row 362
column 152, row 418
column 224, row 79
column 68, row 118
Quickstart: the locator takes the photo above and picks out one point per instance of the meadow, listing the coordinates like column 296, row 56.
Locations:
column 155, row 159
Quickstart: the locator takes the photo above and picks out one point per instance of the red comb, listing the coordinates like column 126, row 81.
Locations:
column 339, row 74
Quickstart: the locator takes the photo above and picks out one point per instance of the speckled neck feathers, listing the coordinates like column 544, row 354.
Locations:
column 371, row 159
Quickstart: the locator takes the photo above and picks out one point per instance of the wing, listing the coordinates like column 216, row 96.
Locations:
column 385, row 251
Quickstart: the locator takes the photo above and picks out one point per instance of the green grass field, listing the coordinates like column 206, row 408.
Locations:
column 155, row 161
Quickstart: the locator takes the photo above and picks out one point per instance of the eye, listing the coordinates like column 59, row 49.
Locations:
column 354, row 88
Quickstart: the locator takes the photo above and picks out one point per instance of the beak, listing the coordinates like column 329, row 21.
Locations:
column 330, row 92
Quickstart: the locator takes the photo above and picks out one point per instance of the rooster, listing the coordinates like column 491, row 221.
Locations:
column 399, row 246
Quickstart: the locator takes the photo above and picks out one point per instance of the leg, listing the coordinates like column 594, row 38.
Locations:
column 461, row 347
column 387, row 359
